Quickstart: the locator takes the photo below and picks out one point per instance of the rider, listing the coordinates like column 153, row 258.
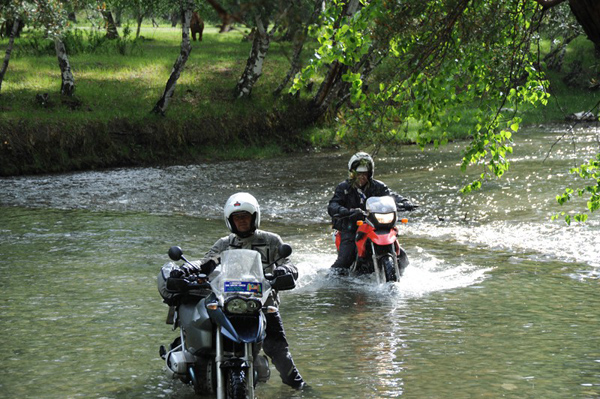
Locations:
column 242, row 217
column 348, row 205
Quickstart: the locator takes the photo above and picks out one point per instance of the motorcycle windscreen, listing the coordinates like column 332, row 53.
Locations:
column 241, row 274
column 385, row 204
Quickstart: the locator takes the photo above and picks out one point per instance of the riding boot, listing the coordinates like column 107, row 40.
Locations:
column 276, row 347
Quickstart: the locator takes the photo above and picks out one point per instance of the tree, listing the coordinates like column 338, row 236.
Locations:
column 254, row 64
column 587, row 13
column 395, row 72
column 299, row 38
column 186, row 48
column 11, row 40
column 51, row 16
column 227, row 19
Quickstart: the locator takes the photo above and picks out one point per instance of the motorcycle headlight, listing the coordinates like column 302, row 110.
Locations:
column 385, row 218
column 242, row 305
column 236, row 305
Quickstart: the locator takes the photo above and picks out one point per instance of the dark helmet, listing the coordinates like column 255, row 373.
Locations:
column 361, row 162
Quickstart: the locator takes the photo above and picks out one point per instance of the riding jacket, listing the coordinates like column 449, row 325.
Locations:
column 348, row 197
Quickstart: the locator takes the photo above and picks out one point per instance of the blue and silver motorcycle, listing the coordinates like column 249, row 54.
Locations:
column 221, row 320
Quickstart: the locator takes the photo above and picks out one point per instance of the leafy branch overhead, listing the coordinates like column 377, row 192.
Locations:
column 412, row 70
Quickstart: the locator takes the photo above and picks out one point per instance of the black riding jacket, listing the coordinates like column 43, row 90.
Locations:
column 348, row 197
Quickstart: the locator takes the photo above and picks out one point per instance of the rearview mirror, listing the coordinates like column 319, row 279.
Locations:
column 285, row 250
column 175, row 253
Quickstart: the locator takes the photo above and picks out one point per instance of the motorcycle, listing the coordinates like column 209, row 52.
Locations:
column 378, row 250
column 222, row 323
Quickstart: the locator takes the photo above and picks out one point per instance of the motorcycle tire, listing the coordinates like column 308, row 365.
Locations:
column 389, row 268
column 237, row 387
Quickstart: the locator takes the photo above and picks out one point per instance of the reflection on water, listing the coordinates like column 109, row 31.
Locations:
column 498, row 301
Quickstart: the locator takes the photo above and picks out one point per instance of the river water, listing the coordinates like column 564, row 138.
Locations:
column 498, row 301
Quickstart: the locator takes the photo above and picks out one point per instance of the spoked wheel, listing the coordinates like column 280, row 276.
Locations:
column 390, row 268
column 237, row 387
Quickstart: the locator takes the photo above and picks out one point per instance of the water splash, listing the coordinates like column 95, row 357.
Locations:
column 425, row 274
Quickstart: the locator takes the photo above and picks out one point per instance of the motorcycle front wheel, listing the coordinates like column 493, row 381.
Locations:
column 389, row 266
column 237, row 386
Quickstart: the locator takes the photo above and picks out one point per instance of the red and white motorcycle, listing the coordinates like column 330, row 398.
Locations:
column 378, row 250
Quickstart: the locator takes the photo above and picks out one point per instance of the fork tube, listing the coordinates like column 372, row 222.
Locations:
column 376, row 266
column 250, row 359
column 218, row 361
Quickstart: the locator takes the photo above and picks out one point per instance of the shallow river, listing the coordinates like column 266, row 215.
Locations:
column 498, row 301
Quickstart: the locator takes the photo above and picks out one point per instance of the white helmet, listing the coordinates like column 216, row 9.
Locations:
column 361, row 162
column 242, row 202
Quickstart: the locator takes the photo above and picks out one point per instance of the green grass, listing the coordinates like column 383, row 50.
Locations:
column 129, row 86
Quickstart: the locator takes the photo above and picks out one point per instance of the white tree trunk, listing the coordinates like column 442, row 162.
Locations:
column 9, row 48
column 186, row 49
column 254, row 65
column 67, row 87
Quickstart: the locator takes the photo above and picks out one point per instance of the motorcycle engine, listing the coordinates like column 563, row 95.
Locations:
column 178, row 361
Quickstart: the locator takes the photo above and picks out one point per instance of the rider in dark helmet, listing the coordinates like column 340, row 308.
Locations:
column 348, row 205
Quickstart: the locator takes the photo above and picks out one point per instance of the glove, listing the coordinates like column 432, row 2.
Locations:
column 190, row 269
column 357, row 214
column 406, row 206
column 176, row 272
column 280, row 271
column 208, row 267
column 184, row 271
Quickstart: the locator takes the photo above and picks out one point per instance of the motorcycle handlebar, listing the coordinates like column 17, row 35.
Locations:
column 183, row 284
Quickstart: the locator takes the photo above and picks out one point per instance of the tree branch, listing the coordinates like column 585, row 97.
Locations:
column 549, row 3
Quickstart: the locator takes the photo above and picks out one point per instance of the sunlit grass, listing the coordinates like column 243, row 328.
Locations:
column 129, row 85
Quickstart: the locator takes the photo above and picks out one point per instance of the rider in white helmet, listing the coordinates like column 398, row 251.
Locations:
column 241, row 204
column 242, row 217
column 348, row 204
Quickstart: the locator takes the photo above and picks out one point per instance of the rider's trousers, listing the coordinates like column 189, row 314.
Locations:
column 276, row 347
column 347, row 250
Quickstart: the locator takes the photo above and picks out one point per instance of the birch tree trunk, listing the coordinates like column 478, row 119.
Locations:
column 9, row 48
column 67, row 86
column 186, row 49
column 254, row 65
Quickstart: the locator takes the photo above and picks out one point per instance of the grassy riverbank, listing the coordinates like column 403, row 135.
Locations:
column 109, row 123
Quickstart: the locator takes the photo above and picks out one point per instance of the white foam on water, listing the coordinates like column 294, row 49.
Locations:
column 425, row 274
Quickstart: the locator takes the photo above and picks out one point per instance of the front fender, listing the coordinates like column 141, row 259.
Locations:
column 382, row 238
